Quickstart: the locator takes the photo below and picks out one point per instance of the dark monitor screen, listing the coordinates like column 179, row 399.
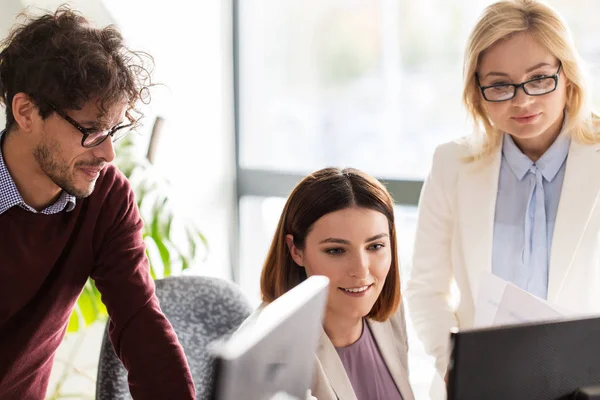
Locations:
column 551, row 360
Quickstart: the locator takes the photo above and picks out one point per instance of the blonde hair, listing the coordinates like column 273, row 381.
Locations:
column 502, row 20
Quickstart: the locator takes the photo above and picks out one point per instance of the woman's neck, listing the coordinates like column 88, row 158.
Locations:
column 342, row 331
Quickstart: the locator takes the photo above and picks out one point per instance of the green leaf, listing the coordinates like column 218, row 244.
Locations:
column 150, row 248
column 102, row 311
column 185, row 262
column 152, row 272
column 73, row 322
column 155, row 222
column 167, row 232
column 165, row 255
column 194, row 235
column 191, row 240
column 87, row 305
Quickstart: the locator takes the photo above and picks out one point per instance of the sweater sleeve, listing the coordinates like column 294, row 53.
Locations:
column 141, row 335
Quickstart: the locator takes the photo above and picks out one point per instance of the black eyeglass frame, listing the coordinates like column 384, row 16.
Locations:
column 516, row 86
column 86, row 132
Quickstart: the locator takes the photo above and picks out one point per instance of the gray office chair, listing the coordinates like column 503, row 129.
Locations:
column 201, row 310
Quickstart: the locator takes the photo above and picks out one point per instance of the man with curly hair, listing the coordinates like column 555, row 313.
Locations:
column 67, row 214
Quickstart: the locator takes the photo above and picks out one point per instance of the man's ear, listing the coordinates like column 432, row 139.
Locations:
column 25, row 112
column 296, row 253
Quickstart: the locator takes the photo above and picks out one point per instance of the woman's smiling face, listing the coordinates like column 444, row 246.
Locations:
column 352, row 248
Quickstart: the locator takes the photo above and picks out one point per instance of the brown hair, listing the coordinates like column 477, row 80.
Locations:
column 58, row 58
column 321, row 193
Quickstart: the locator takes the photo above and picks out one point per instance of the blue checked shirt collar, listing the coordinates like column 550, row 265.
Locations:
column 10, row 196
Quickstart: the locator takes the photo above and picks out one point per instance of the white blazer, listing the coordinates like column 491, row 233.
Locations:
column 455, row 233
column 330, row 381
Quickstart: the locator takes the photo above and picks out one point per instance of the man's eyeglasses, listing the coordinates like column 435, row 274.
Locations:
column 92, row 137
column 533, row 87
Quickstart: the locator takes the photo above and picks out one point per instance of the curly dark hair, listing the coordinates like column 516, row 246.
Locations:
column 59, row 59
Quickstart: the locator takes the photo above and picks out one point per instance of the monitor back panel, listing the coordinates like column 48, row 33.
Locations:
column 282, row 362
column 537, row 361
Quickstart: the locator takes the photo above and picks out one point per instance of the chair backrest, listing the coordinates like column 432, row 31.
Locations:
column 201, row 310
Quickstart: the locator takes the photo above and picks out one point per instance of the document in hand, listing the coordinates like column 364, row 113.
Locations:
column 502, row 303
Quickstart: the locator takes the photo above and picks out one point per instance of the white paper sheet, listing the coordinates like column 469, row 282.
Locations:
column 502, row 303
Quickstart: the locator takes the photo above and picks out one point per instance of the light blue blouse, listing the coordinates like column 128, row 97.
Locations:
column 526, row 207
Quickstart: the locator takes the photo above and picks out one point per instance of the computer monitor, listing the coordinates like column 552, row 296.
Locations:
column 273, row 357
column 550, row 360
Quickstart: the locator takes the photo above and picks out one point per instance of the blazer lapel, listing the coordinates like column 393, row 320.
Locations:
column 334, row 369
column 477, row 188
column 388, row 347
column 578, row 198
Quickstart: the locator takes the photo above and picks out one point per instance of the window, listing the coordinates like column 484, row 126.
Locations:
column 369, row 84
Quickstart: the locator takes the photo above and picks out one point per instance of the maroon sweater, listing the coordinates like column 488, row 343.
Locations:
column 45, row 261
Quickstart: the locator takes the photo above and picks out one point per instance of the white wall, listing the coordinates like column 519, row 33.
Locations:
column 8, row 11
column 94, row 9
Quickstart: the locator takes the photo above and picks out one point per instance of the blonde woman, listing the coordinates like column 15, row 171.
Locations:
column 518, row 198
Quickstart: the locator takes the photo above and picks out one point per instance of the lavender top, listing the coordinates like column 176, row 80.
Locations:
column 366, row 369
